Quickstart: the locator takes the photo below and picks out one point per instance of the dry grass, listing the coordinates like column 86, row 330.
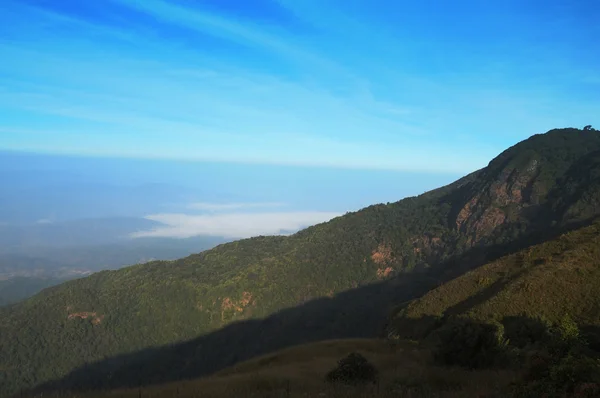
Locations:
column 406, row 370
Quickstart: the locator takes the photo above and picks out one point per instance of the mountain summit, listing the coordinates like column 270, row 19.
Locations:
column 333, row 280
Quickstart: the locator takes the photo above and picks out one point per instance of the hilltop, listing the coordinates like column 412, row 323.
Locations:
column 334, row 280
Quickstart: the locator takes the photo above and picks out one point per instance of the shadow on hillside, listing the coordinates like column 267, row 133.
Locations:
column 358, row 313
column 485, row 295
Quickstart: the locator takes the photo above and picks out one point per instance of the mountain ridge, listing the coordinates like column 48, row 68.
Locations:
column 390, row 253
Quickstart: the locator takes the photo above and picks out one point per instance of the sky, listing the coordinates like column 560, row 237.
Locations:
column 429, row 90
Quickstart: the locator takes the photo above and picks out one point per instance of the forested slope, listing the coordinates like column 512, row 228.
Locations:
column 381, row 255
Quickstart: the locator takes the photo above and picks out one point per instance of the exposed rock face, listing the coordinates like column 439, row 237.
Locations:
column 95, row 319
column 383, row 273
column 382, row 255
column 498, row 198
column 229, row 305
column 426, row 243
column 542, row 182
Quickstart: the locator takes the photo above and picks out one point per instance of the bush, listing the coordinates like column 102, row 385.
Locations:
column 470, row 344
column 567, row 330
column 565, row 338
column 564, row 367
column 353, row 369
column 572, row 375
column 572, row 371
column 523, row 331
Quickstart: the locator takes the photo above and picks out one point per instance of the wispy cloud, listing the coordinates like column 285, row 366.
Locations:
column 204, row 21
column 351, row 88
column 242, row 225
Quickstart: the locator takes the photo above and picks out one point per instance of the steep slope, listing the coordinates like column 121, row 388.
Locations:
column 549, row 280
column 534, row 186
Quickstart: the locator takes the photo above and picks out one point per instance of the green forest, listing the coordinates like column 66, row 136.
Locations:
column 487, row 246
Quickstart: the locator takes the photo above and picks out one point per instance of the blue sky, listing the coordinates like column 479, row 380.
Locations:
column 428, row 86
column 293, row 111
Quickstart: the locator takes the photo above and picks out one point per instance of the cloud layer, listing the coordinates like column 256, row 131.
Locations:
column 236, row 226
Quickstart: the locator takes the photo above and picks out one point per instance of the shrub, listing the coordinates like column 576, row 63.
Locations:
column 572, row 371
column 353, row 369
column 565, row 337
column 470, row 344
column 567, row 330
column 572, row 375
column 564, row 367
column 524, row 331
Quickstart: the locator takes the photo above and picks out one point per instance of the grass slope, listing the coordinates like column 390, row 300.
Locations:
column 553, row 279
column 406, row 369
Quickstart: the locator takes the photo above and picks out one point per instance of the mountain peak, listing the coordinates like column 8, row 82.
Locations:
column 521, row 186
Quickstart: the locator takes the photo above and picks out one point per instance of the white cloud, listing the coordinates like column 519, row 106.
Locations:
column 214, row 207
column 242, row 225
column 259, row 35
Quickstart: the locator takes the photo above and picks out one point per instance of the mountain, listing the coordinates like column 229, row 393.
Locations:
column 335, row 280
column 545, row 281
column 548, row 280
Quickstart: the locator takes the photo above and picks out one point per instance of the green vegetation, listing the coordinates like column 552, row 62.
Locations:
column 353, row 370
column 561, row 364
column 405, row 370
column 547, row 281
column 470, row 344
column 163, row 321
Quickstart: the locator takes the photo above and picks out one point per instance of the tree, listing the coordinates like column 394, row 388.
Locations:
column 353, row 369
column 471, row 344
column 588, row 128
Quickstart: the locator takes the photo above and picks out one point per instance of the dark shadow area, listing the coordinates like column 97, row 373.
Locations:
column 522, row 330
column 591, row 335
column 358, row 313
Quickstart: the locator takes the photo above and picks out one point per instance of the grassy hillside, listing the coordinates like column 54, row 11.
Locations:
column 549, row 280
column 337, row 279
column 405, row 369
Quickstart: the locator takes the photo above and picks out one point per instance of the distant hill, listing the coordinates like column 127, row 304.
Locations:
column 66, row 262
column 71, row 233
column 25, row 271
column 19, row 288
column 334, row 280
